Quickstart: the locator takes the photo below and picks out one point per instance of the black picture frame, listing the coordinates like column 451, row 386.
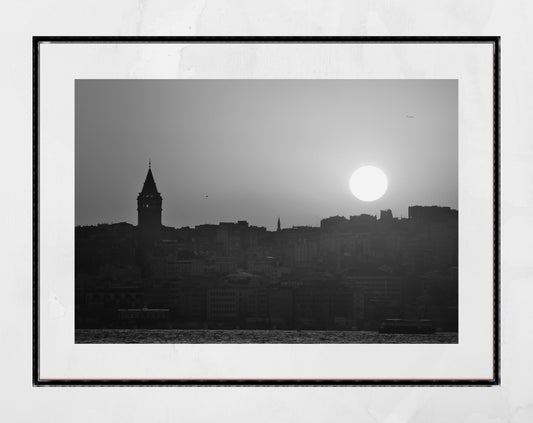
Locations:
column 493, row 40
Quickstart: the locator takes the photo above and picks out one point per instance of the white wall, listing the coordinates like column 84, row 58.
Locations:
column 513, row 401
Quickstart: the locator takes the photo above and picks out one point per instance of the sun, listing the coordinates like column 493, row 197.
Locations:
column 368, row 183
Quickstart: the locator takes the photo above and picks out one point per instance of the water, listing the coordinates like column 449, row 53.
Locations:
column 193, row 336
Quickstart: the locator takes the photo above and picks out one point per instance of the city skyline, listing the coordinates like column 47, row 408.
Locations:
column 224, row 156
column 391, row 276
column 278, row 225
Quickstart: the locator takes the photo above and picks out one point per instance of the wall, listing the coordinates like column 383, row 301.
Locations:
column 513, row 401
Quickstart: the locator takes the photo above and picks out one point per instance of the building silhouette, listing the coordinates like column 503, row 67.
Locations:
column 149, row 208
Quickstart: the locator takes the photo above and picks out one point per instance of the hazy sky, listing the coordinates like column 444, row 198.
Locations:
column 260, row 149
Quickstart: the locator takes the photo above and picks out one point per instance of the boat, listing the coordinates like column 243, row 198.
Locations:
column 407, row 326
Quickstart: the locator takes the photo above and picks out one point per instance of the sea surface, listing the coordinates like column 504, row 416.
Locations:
column 215, row 336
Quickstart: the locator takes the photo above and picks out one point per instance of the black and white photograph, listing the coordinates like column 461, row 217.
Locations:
column 266, row 211
column 220, row 211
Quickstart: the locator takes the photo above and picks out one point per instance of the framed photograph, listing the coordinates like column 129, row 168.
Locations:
column 266, row 210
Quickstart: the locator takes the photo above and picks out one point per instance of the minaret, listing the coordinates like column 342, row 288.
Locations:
column 279, row 225
column 149, row 211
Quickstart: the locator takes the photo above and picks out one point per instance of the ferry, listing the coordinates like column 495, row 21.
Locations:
column 407, row 326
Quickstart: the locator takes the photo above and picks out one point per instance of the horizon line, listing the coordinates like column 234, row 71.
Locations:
column 275, row 220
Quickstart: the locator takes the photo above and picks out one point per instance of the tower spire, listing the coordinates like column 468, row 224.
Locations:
column 149, row 186
column 149, row 163
column 279, row 224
